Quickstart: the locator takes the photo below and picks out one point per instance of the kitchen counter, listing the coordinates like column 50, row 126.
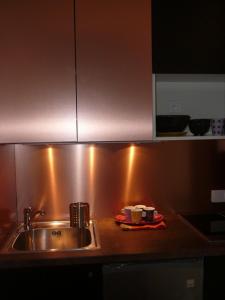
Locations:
column 178, row 240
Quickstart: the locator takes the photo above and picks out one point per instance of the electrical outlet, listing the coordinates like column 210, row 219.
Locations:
column 217, row 196
column 190, row 283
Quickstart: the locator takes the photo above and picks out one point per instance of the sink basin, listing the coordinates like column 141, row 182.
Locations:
column 49, row 238
column 53, row 236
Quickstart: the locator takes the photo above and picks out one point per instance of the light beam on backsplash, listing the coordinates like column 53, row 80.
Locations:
column 52, row 180
column 79, row 175
column 91, row 195
column 129, row 173
column 41, row 201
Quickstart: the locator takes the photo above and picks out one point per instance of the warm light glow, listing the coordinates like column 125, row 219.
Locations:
column 91, row 177
column 41, row 202
column 79, row 175
column 52, row 177
column 57, row 223
column 130, row 167
column 91, row 158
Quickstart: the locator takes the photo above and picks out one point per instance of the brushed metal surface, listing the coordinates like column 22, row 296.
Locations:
column 46, row 239
column 168, row 175
column 54, row 236
column 37, row 73
column 170, row 281
column 114, row 71
column 8, row 207
column 52, row 177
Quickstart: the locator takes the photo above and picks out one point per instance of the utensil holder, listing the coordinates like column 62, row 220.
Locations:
column 79, row 214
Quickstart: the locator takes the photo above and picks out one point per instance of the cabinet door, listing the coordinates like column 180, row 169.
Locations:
column 172, row 280
column 188, row 36
column 37, row 71
column 68, row 282
column 113, row 53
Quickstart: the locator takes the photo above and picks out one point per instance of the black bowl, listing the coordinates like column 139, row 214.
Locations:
column 199, row 126
column 171, row 123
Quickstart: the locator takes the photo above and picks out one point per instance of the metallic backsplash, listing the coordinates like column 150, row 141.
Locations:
column 169, row 175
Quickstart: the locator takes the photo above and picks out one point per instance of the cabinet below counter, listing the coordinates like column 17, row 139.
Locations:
column 178, row 249
column 171, row 280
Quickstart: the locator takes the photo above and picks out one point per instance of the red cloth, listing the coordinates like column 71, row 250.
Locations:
column 160, row 225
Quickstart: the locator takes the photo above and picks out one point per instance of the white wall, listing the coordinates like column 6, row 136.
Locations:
column 200, row 96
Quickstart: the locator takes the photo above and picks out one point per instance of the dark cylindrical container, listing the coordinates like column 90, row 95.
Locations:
column 79, row 214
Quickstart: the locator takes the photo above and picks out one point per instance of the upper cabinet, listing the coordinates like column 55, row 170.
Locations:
column 188, row 39
column 188, row 36
column 37, row 71
column 113, row 64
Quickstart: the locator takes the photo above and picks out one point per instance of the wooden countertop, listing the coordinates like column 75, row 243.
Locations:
column 178, row 240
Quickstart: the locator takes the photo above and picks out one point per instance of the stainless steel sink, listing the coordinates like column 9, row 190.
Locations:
column 54, row 236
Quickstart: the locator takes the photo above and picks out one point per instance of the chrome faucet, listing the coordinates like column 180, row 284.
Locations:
column 29, row 215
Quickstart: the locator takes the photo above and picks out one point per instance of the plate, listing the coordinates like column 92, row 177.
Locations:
column 122, row 219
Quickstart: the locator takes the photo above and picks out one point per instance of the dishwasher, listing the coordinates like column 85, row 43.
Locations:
column 170, row 280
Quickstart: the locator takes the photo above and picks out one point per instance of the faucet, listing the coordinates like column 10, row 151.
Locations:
column 29, row 215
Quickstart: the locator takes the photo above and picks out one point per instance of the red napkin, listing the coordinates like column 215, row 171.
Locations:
column 160, row 225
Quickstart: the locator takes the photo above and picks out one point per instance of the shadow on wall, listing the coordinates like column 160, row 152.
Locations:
column 7, row 223
column 173, row 175
column 169, row 175
column 8, row 209
column 219, row 174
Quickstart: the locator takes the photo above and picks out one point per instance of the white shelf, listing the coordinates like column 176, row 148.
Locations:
column 189, row 137
column 201, row 96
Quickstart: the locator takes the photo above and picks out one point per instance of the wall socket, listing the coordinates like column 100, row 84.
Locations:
column 217, row 196
column 190, row 283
